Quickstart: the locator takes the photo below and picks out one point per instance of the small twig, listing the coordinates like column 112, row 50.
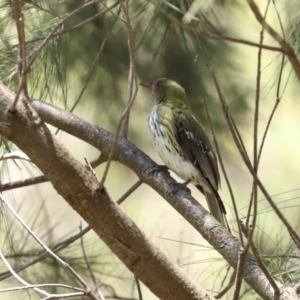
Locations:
column 21, row 60
column 93, row 67
column 138, row 288
column 8, row 58
column 95, row 63
column 239, row 273
column 43, row 245
column 132, row 70
column 260, row 263
column 213, row 36
column 286, row 47
column 129, row 102
column 98, row 161
column 253, row 198
column 280, row 256
column 90, row 167
column 279, row 18
column 274, row 108
column 41, row 179
column 238, row 142
column 64, row 296
column 23, row 183
column 53, row 31
column 14, row 155
column 32, row 286
column 55, row 248
column 228, row 287
column 217, row 147
column 130, row 191
column 89, row 265
column 296, row 242
column 77, row 26
column 18, row 277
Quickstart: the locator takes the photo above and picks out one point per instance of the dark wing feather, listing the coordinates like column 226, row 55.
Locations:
column 197, row 149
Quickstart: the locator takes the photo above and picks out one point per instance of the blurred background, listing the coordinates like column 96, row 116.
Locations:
column 164, row 47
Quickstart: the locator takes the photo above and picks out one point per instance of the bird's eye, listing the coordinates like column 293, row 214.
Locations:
column 158, row 84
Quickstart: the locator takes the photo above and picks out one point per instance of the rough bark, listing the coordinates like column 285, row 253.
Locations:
column 92, row 203
column 81, row 190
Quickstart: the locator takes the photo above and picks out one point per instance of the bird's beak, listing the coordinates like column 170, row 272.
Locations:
column 148, row 85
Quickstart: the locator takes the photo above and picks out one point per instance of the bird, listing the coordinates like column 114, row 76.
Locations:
column 183, row 144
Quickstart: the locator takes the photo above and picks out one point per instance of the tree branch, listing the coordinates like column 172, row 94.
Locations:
column 108, row 221
column 130, row 156
column 286, row 47
column 94, row 205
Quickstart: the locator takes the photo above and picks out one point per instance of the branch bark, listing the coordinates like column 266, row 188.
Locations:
column 106, row 218
column 81, row 190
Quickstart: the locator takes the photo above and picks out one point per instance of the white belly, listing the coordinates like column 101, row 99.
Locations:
column 172, row 159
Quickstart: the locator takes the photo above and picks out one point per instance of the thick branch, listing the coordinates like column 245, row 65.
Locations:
column 81, row 190
column 140, row 163
column 127, row 154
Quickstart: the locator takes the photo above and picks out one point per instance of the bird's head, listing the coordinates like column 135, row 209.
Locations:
column 166, row 90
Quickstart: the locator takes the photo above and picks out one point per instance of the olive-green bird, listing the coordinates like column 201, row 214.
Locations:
column 183, row 144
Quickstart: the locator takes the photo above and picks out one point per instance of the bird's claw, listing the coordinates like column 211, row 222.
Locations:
column 175, row 187
column 157, row 168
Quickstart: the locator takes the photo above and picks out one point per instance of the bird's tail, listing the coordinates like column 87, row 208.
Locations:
column 216, row 206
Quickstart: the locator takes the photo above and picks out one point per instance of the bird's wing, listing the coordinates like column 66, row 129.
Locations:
column 195, row 145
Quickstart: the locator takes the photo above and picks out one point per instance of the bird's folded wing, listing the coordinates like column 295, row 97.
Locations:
column 196, row 147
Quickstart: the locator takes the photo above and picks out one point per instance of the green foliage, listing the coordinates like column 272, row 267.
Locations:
column 46, row 77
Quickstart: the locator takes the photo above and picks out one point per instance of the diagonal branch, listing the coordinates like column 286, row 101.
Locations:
column 21, row 60
column 108, row 221
column 127, row 154
column 84, row 195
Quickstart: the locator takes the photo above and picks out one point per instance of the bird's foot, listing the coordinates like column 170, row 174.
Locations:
column 178, row 186
column 157, row 168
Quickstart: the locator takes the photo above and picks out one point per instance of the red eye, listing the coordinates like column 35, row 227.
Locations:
column 159, row 84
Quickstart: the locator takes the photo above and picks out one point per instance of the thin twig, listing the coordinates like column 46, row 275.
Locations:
column 95, row 63
column 132, row 70
column 279, row 18
column 228, row 287
column 130, row 191
column 217, row 146
column 238, row 142
column 280, row 256
column 23, row 183
column 239, row 273
column 21, row 60
column 89, row 167
column 93, row 67
column 213, row 36
column 41, row 179
column 98, row 161
column 8, row 58
column 277, row 92
column 32, row 286
column 253, row 198
column 53, row 31
column 130, row 98
column 18, row 277
column 77, row 26
column 138, row 288
column 260, row 263
column 89, row 265
column 51, row 253
column 14, row 155
column 286, row 47
column 55, row 248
